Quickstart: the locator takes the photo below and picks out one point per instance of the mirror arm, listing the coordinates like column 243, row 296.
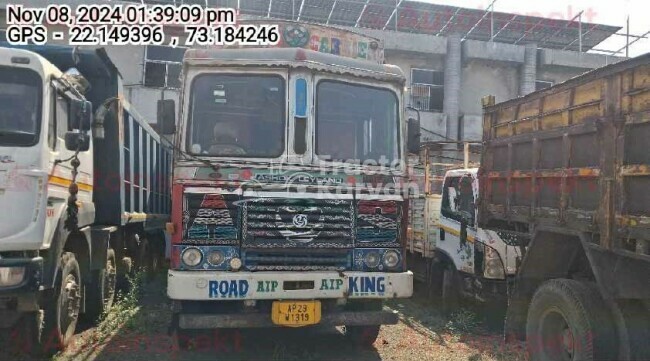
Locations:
column 416, row 110
column 99, row 117
column 66, row 89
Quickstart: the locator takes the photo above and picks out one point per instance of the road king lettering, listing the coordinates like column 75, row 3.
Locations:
column 331, row 284
column 367, row 285
column 228, row 289
column 267, row 286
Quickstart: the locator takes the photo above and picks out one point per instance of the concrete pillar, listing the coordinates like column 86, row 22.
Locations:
column 451, row 102
column 528, row 72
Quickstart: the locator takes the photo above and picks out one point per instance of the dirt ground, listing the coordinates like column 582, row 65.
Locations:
column 139, row 331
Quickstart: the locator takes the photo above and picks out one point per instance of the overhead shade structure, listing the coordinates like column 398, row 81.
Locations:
column 425, row 18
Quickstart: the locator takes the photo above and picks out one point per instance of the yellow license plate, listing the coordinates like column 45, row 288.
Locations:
column 296, row 313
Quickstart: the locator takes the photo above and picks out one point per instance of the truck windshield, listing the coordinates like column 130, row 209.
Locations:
column 20, row 104
column 237, row 115
column 356, row 123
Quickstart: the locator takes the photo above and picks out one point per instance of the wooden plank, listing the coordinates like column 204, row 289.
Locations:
column 599, row 102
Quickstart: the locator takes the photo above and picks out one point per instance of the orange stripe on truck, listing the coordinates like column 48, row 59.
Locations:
column 65, row 182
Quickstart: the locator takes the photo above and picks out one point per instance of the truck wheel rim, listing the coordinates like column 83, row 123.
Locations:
column 557, row 339
column 70, row 302
column 109, row 282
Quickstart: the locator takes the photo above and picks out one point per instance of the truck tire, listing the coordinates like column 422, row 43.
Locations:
column 49, row 331
column 637, row 319
column 363, row 336
column 100, row 294
column 148, row 258
column 185, row 340
column 568, row 320
column 124, row 270
column 434, row 280
column 450, row 296
column 443, row 287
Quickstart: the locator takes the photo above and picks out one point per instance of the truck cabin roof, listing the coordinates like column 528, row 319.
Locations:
column 93, row 63
column 294, row 58
column 461, row 172
column 36, row 61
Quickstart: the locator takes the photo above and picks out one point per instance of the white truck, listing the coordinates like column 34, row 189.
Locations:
column 85, row 194
column 448, row 252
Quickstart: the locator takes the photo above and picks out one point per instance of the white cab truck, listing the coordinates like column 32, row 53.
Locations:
column 274, row 223
column 76, row 215
column 448, row 252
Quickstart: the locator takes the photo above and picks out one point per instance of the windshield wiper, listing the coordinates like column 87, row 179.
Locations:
column 15, row 132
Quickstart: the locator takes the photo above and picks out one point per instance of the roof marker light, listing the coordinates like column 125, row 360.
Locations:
column 301, row 55
column 20, row 60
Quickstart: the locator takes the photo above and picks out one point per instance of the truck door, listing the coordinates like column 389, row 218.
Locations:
column 457, row 221
column 21, row 178
column 60, row 173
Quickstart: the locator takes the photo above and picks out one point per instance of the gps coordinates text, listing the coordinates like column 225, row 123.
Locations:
column 134, row 24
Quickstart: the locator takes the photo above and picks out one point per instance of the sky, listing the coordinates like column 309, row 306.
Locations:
column 607, row 12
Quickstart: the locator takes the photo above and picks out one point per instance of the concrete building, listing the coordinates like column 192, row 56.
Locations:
column 452, row 57
column 447, row 77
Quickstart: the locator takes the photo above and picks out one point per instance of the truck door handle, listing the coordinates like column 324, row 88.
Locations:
column 442, row 234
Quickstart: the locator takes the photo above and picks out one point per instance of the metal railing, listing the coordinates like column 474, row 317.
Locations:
column 421, row 98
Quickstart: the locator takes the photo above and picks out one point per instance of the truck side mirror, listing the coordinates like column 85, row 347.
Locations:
column 166, row 116
column 413, row 141
column 77, row 141
column 81, row 114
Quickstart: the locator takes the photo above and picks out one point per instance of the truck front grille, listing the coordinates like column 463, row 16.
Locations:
column 210, row 219
column 297, row 223
column 288, row 260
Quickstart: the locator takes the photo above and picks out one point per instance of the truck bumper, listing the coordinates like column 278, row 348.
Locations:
column 23, row 296
column 237, row 286
column 259, row 320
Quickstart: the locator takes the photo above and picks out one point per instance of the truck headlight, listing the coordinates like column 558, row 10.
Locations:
column 235, row 264
column 11, row 276
column 493, row 268
column 391, row 259
column 372, row 259
column 192, row 257
column 216, row 258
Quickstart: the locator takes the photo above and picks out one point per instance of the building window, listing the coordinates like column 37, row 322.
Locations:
column 427, row 89
column 162, row 66
column 542, row 84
